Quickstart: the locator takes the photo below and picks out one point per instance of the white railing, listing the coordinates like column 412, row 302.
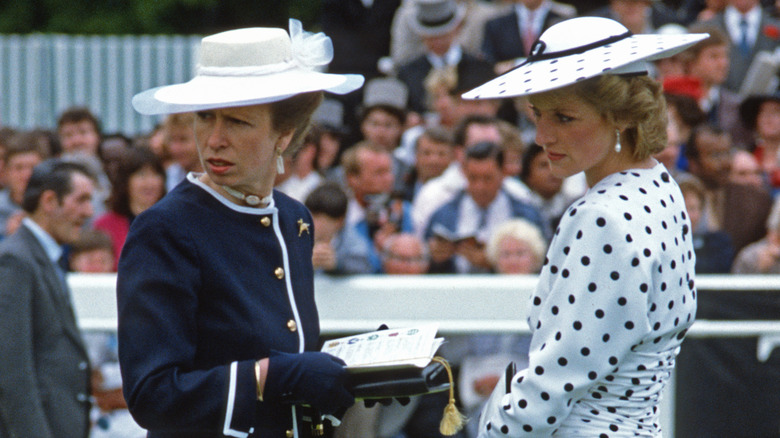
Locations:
column 461, row 305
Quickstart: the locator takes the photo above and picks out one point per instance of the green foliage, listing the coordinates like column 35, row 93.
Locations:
column 151, row 16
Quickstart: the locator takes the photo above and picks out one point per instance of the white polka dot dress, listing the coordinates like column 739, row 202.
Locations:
column 614, row 301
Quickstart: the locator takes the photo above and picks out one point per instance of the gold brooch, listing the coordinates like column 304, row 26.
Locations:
column 302, row 226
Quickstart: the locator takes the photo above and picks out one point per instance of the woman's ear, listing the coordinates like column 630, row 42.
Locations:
column 283, row 142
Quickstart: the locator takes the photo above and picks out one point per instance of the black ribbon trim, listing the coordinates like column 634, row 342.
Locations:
column 537, row 50
column 437, row 23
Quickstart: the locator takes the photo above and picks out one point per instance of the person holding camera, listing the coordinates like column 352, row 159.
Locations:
column 374, row 211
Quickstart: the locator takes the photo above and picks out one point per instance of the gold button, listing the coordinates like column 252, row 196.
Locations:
column 279, row 272
column 292, row 325
column 289, row 434
column 266, row 221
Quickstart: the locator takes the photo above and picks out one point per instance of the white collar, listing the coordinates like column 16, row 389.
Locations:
column 452, row 57
column 194, row 178
column 50, row 246
column 732, row 18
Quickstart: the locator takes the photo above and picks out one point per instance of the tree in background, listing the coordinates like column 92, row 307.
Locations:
column 151, row 16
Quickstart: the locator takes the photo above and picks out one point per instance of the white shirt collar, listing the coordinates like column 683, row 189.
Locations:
column 52, row 248
column 194, row 178
column 539, row 14
column 452, row 57
column 732, row 18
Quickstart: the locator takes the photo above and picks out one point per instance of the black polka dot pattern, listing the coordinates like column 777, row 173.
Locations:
column 614, row 301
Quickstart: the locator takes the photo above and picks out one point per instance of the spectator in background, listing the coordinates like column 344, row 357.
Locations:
column 511, row 36
column 436, row 192
column 763, row 256
column 749, row 30
column 79, row 131
column 328, row 130
column 517, row 247
column 45, row 384
column 302, row 175
column 709, row 153
column 140, row 184
column 374, row 211
column 709, row 62
column 639, row 16
column 383, row 117
column 682, row 107
column 22, row 154
column 438, row 23
column 92, row 253
column 458, row 230
column 761, row 115
column 405, row 254
column 746, row 170
column 79, row 134
column 338, row 250
column 180, row 141
column 111, row 151
column 434, row 151
column 550, row 194
column 406, row 44
column 714, row 251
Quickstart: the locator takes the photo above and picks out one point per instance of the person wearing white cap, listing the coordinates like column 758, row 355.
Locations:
column 616, row 294
column 218, row 328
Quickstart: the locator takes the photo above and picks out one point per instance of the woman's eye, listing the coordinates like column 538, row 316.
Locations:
column 564, row 118
column 203, row 115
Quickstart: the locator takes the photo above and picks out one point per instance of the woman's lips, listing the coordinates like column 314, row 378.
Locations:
column 552, row 156
column 219, row 166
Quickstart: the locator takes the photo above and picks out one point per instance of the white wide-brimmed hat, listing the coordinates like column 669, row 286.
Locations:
column 249, row 67
column 436, row 17
column 579, row 49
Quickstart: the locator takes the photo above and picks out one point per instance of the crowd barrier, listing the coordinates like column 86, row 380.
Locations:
column 460, row 304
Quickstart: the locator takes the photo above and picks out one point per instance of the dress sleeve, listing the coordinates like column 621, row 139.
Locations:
column 589, row 309
column 157, row 294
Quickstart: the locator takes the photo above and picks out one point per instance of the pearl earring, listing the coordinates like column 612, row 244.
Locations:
column 279, row 163
column 617, row 143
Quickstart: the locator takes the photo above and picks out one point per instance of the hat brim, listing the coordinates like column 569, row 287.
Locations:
column 211, row 92
column 624, row 56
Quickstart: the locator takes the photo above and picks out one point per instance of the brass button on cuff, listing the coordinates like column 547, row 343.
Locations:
column 289, row 434
column 279, row 272
column 292, row 326
column 266, row 221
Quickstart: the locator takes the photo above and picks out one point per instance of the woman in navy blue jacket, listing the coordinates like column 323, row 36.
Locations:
column 217, row 319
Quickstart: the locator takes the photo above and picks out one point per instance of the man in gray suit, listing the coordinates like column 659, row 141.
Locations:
column 44, row 367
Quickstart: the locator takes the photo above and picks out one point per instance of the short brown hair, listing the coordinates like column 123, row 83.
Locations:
column 295, row 113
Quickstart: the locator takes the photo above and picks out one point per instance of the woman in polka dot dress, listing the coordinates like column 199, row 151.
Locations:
column 616, row 294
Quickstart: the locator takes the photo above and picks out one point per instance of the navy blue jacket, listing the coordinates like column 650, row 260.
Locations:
column 205, row 288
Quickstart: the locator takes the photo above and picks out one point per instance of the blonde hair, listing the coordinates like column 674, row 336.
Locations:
column 521, row 230
column 637, row 101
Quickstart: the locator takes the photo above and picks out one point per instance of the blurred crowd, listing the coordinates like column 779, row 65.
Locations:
column 406, row 177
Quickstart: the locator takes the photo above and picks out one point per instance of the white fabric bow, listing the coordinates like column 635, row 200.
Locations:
column 309, row 50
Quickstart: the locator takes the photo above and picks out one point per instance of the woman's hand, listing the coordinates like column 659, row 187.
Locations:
column 314, row 378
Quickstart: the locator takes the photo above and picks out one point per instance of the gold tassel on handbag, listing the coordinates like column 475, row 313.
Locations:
column 453, row 420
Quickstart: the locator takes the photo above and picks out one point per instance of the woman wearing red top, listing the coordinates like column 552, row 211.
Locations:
column 139, row 184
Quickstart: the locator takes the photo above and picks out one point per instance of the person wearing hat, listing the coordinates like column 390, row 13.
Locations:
column 616, row 294
column 217, row 323
column 438, row 23
column 761, row 115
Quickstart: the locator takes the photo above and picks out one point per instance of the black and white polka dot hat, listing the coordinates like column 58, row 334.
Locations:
column 581, row 48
